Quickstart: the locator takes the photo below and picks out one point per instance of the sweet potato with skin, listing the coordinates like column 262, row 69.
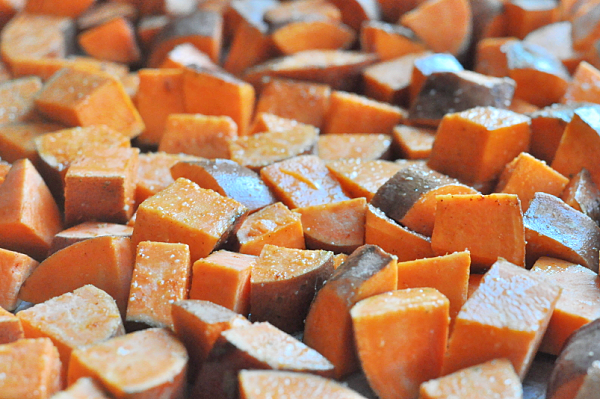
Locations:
column 355, row 12
column 17, row 100
column 100, row 13
column 557, row 38
column 389, row 41
column 298, row 36
column 157, row 357
column 106, row 262
column 280, row 271
column 583, row 195
column 251, row 44
column 223, row 278
column 8, row 9
column 86, row 231
column 524, row 17
column 185, row 55
column 111, row 41
column 366, row 146
column 10, row 327
column 4, row 168
column 552, row 228
column 591, row 383
column 427, row 64
column 83, row 388
column 408, row 356
column 490, row 56
column 368, row 271
column 302, row 10
column 14, row 270
column 361, row 178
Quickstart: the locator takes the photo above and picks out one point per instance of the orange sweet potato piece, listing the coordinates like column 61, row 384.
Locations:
column 100, row 185
column 302, row 10
column 257, row 346
column 274, row 224
column 361, row 178
column 186, row 213
column 304, row 102
column 161, row 276
column 155, row 365
column 29, row 217
column 493, row 378
column 578, row 302
column 284, row 282
column 85, row 387
column 368, row 271
column 586, row 26
column 185, row 55
column 549, row 232
column 86, row 231
column 31, row 368
column 254, row 383
column 464, row 142
column 79, row 97
column 199, row 135
column 557, row 38
column 14, row 270
column 490, row 56
column 163, row 87
column 394, row 238
column 17, row 99
column 223, row 278
column 251, row 44
column 427, row 64
column 583, row 195
column 389, row 41
column 302, row 181
column 352, row 113
column 106, row 262
column 584, row 85
column 449, row 274
column 112, row 41
column 303, row 35
column 10, row 327
column 4, row 169
column 8, row 9
column 453, row 17
column 100, row 13
column 524, row 17
column 46, row 67
column 66, row 320
column 68, row 8
column 355, row 12
column 464, row 221
column 366, row 146
column 409, row 356
column 267, row 122
column 474, row 283
column 17, row 140
column 508, row 314
column 413, row 142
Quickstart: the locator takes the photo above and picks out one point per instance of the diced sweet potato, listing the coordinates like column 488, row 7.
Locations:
column 584, row 85
column 302, row 10
column 113, row 40
column 86, row 231
column 69, row 8
column 85, row 387
column 17, row 140
column 557, row 38
column 267, row 122
column 100, row 13
column 362, row 178
column 251, row 45
column 490, row 56
column 582, row 194
column 366, row 146
column 413, row 355
column 586, row 26
column 285, row 282
column 304, row 35
column 524, row 17
column 186, row 55
column 368, row 271
column 413, row 142
column 45, row 67
column 427, row 64
column 14, row 270
column 10, row 327
column 389, row 41
column 355, row 12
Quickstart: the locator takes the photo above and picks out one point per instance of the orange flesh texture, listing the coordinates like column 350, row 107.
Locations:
column 86, row 316
column 490, row 59
column 523, row 18
column 10, row 327
column 467, row 143
column 251, row 44
column 106, row 262
column 302, row 181
column 186, row 213
column 112, row 41
column 69, row 8
column 268, row 122
column 508, row 314
column 556, row 38
column 449, row 274
column 547, row 128
column 161, row 276
column 395, row 356
column 17, row 99
column 31, row 368
column 14, row 270
column 389, row 41
column 474, row 283
column 464, row 222
column 494, row 378
column 18, row 140
column 83, row 388
column 361, row 178
column 144, row 362
column 301, row 36
column 331, row 147
column 224, row 278
column 578, row 303
column 414, row 143
column 584, row 86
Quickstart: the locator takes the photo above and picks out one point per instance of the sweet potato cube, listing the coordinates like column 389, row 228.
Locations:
column 524, row 17
column 84, row 387
column 184, row 54
column 17, row 99
column 100, row 186
column 251, row 43
column 29, row 217
column 490, row 57
column 78, row 97
column 69, row 8
column 409, row 356
column 508, row 314
column 161, row 276
column 495, row 377
column 352, row 113
column 304, row 102
column 216, row 93
column 274, row 224
column 100, row 13
column 304, row 10
column 66, row 320
column 158, row 358
column 425, row 65
column 14, row 270
column 526, row 175
column 113, row 40
column 557, row 37
column 368, row 271
column 4, row 169
column 367, row 146
column 464, row 222
column 284, row 282
column 9, row 9
column 223, row 277
column 200, row 135
column 302, row 181
column 361, row 178
column 86, row 231
column 389, row 41
column 267, row 122
column 257, row 346
column 583, row 195
column 10, row 327
column 586, row 26
column 584, row 85
column 17, row 140
column 105, row 262
column 549, row 230
column 301, row 35
column 31, row 369
column 467, row 144
column 413, row 142
column 355, row 12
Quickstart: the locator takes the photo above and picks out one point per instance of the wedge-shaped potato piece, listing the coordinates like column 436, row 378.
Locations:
column 254, row 384
column 508, row 314
column 465, row 221
column 355, row 12
column 586, row 26
column 227, row 178
column 84, row 387
column 553, row 228
column 10, row 327
column 302, row 10
column 69, row 8
column 368, row 271
column 31, row 368
column 490, row 59
column 106, row 262
column 267, row 122
column 97, row 14
column 17, row 140
column 409, row 197
column 66, row 319
column 389, row 41
column 426, row 65
column 86, row 231
column 413, row 142
column 17, row 99
column 285, row 282
column 524, row 17
column 582, row 194
column 146, row 363
column 583, row 86
column 409, row 356
column 15, row 267
column 113, row 40
column 186, row 213
column 366, row 146
column 258, row 346
column 557, row 38
column 494, row 378
column 303, row 35
column 361, row 178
